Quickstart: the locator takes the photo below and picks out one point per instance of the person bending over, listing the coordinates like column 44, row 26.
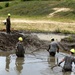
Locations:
column 68, row 61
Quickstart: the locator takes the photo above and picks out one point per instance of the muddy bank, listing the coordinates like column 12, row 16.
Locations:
column 68, row 42
column 31, row 42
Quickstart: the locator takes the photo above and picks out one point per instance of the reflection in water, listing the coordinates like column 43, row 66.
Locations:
column 11, row 65
column 68, row 73
column 7, row 63
column 51, row 61
column 19, row 64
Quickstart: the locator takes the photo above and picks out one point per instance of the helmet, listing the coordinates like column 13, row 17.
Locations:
column 20, row 39
column 8, row 14
column 72, row 50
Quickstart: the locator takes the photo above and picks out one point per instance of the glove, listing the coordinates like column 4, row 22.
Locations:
column 59, row 63
column 48, row 50
column 57, row 51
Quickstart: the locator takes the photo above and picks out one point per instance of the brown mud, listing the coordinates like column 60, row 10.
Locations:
column 68, row 42
column 31, row 42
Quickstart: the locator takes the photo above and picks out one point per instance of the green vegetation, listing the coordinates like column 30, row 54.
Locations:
column 7, row 5
column 64, row 31
column 34, row 8
column 39, row 9
column 70, row 39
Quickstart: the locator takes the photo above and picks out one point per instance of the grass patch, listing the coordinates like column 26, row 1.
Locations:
column 70, row 39
column 58, row 30
column 39, row 9
column 41, row 27
column 30, row 8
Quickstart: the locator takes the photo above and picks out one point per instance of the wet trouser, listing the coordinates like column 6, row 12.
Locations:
column 52, row 53
column 8, row 28
column 20, row 54
column 66, row 69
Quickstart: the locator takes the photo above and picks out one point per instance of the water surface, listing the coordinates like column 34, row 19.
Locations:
column 39, row 63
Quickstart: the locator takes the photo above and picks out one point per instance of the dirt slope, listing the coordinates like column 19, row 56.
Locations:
column 31, row 42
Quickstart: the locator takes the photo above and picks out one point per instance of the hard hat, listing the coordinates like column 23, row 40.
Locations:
column 72, row 50
column 20, row 39
column 8, row 14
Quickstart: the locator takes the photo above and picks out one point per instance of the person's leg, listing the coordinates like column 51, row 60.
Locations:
column 9, row 29
column 65, row 70
column 6, row 28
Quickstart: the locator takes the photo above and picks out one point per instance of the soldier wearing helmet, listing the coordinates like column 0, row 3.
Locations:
column 68, row 61
column 20, row 48
column 8, row 24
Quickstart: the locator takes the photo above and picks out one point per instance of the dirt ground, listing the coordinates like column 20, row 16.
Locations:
column 31, row 42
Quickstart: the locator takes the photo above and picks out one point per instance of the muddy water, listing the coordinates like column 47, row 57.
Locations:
column 38, row 63
column 50, row 36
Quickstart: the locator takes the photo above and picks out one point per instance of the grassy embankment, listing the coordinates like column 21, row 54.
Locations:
column 40, row 10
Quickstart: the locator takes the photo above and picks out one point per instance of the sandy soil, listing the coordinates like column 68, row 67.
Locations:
column 40, row 21
column 59, row 10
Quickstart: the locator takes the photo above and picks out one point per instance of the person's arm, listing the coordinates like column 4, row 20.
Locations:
column 48, row 48
column 61, row 62
column 23, row 47
column 74, row 60
column 16, row 47
column 57, row 49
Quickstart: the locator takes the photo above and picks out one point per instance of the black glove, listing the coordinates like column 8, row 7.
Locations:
column 59, row 63
column 57, row 51
column 48, row 50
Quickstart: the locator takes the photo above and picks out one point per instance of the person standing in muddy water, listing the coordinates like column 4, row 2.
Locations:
column 53, row 47
column 8, row 24
column 20, row 48
column 68, row 61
